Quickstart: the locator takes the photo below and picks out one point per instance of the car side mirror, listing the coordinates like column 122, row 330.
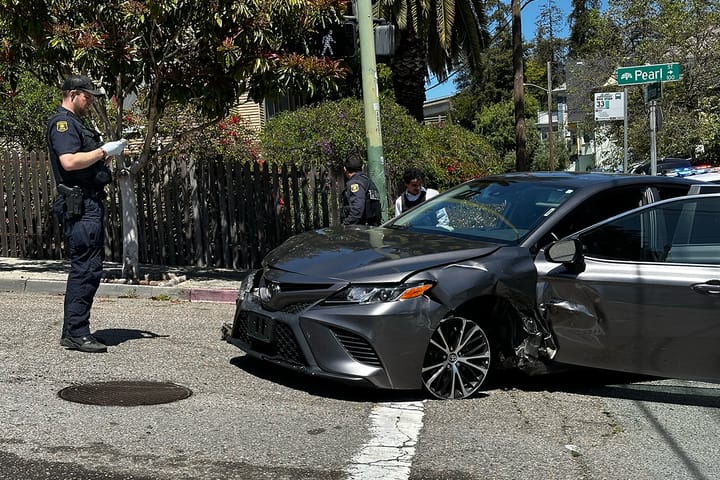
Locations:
column 568, row 252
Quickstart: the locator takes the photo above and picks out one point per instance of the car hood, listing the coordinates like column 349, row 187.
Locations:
column 364, row 254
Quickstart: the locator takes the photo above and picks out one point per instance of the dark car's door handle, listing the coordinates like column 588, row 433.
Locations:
column 711, row 287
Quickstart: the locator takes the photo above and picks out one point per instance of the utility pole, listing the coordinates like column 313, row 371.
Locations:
column 371, row 101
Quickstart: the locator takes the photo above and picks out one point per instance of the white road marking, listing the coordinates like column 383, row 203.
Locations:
column 395, row 428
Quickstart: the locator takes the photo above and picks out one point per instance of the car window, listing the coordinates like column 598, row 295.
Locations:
column 607, row 204
column 488, row 210
column 600, row 206
column 684, row 231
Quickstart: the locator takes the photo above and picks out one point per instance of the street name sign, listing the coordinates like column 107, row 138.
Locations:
column 664, row 72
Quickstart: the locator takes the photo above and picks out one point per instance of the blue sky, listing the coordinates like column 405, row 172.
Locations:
column 528, row 16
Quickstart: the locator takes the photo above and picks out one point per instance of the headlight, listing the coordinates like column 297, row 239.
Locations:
column 373, row 294
column 247, row 283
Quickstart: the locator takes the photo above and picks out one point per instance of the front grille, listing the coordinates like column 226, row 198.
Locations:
column 283, row 346
column 287, row 346
column 240, row 327
column 278, row 296
column 295, row 308
column 358, row 348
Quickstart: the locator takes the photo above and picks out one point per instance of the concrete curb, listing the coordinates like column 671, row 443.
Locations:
column 190, row 294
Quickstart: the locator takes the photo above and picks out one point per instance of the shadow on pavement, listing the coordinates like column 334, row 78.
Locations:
column 599, row 383
column 115, row 336
column 323, row 387
column 619, row 385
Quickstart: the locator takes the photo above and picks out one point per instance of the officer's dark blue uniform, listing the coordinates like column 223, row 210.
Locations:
column 353, row 212
column 360, row 199
column 84, row 233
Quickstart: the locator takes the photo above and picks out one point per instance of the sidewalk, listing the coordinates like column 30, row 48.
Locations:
column 191, row 284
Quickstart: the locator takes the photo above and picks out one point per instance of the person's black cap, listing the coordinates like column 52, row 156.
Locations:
column 81, row 82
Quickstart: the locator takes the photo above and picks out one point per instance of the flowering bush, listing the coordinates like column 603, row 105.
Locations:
column 230, row 138
column 459, row 155
column 327, row 133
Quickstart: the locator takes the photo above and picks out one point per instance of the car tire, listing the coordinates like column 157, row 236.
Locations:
column 457, row 359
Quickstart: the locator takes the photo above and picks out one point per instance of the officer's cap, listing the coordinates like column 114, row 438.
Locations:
column 81, row 82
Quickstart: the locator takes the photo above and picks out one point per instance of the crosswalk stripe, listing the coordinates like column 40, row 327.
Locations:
column 394, row 428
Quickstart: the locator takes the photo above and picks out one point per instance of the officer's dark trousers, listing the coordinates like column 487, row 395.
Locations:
column 85, row 239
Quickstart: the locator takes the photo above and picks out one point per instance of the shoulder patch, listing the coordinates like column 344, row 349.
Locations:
column 61, row 126
column 354, row 187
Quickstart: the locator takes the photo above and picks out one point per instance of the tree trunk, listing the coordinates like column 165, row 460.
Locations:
column 409, row 72
column 518, row 87
column 131, row 260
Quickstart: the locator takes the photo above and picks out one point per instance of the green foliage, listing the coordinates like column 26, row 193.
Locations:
column 535, row 71
column 174, row 54
column 665, row 31
column 590, row 31
column 547, row 45
column 458, row 155
column 190, row 53
column 25, row 109
column 314, row 135
column 327, row 133
column 449, row 29
column 496, row 123
column 541, row 155
column 433, row 36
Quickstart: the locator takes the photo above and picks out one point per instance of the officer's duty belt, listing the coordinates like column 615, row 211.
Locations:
column 85, row 192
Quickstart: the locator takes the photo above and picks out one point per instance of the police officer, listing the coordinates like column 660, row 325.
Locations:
column 77, row 157
column 358, row 187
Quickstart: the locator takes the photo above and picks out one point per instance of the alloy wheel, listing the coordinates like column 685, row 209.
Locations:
column 457, row 359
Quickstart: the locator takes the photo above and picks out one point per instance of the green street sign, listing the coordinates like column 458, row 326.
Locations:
column 664, row 72
column 653, row 91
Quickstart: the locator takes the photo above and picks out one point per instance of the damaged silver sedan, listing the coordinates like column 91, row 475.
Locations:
column 439, row 297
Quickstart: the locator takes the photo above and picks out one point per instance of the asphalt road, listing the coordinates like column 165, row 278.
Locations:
column 247, row 420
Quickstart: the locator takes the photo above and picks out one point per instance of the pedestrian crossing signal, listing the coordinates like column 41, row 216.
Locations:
column 338, row 41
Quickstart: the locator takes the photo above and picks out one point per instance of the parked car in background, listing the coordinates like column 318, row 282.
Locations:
column 639, row 292
column 436, row 298
column 666, row 166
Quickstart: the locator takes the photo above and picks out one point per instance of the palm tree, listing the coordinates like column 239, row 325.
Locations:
column 433, row 36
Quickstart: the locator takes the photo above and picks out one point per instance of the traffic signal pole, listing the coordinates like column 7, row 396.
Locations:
column 371, row 100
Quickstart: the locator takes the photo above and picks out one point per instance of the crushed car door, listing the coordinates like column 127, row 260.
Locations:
column 648, row 296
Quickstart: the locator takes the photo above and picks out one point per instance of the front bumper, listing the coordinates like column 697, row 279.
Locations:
column 382, row 344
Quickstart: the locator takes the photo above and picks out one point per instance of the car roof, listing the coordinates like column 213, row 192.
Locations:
column 707, row 177
column 582, row 180
column 585, row 185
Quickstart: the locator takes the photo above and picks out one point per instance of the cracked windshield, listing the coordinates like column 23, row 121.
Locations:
column 494, row 211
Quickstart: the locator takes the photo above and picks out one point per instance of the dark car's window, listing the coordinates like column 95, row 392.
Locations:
column 488, row 210
column 595, row 209
column 684, row 231
column 608, row 204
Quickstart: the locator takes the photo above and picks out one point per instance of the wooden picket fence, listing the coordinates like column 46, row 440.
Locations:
column 202, row 212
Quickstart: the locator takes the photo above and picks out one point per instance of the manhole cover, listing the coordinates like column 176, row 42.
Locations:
column 125, row 394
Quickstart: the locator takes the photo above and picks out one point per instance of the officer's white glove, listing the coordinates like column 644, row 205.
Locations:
column 114, row 148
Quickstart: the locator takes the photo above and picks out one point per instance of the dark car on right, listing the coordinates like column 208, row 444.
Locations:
column 669, row 166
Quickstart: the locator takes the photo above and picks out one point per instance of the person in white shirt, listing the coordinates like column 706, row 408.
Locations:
column 414, row 193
